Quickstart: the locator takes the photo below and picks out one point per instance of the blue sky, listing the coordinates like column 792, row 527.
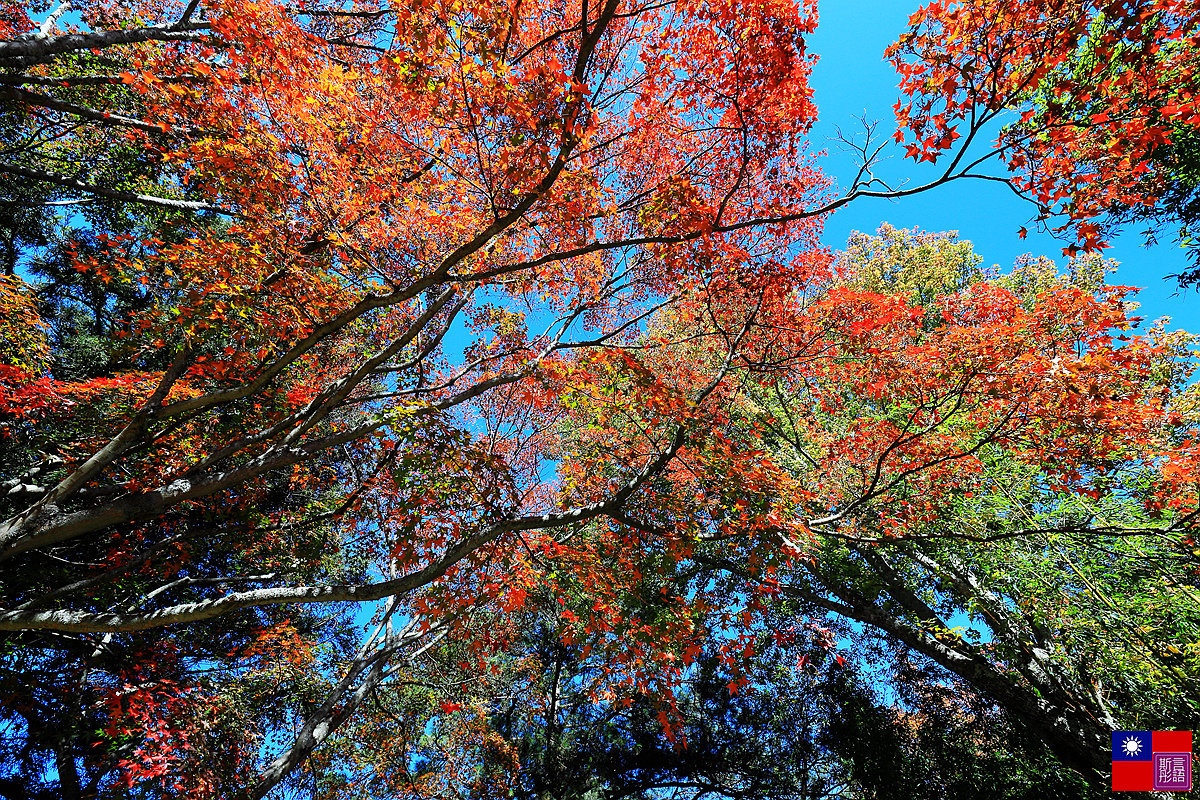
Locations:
column 851, row 78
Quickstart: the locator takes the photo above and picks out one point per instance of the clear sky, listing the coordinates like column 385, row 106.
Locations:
column 852, row 78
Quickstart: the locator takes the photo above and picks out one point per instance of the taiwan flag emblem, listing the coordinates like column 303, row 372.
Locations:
column 1144, row 761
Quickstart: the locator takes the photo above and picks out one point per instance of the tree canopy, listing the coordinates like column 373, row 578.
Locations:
column 458, row 399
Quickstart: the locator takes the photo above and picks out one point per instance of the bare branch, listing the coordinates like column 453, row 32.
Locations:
column 20, row 53
column 114, row 194
column 104, row 117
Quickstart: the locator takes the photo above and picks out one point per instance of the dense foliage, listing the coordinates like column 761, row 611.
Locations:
column 458, row 400
column 1105, row 95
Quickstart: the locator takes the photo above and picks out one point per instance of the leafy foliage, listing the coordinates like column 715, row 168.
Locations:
column 466, row 318
column 1100, row 89
column 1080, row 592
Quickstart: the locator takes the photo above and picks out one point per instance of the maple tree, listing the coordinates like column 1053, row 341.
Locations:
column 1084, row 591
column 283, row 422
column 1179, row 206
column 931, row 492
column 1093, row 97
column 436, row 311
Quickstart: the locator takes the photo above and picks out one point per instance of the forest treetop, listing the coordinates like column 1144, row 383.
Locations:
column 491, row 312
